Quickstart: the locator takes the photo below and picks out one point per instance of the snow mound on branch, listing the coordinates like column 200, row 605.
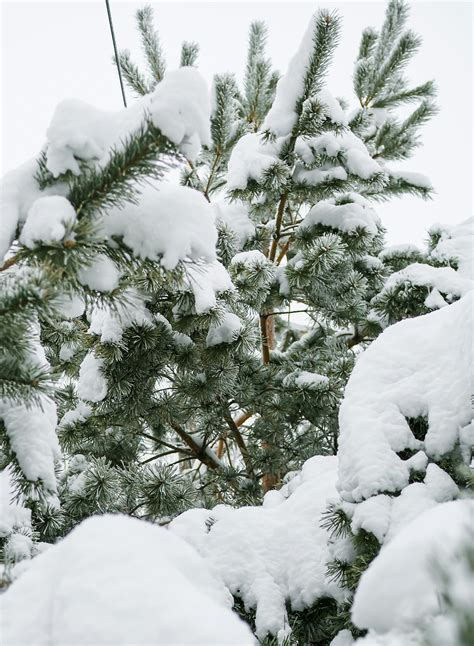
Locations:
column 250, row 158
column 101, row 275
column 121, row 581
column 91, row 385
column 349, row 217
column 253, row 259
column 109, row 323
column 18, row 191
column 206, row 281
column 179, row 107
column 353, row 151
column 32, row 434
column 416, row 179
column 440, row 279
column 455, row 243
column 271, row 554
column 32, row 430
column 48, row 220
column 411, row 598
column 235, row 215
column 226, row 331
column 13, row 515
column 169, row 223
column 282, row 116
column 399, row 377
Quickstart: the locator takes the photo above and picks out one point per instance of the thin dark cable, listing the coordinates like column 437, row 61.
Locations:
column 116, row 52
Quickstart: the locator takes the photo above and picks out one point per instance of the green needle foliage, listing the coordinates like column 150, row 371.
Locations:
column 186, row 422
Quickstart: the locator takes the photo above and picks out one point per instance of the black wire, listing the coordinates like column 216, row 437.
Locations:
column 116, row 53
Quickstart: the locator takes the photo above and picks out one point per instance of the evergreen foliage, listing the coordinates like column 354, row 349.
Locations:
column 188, row 420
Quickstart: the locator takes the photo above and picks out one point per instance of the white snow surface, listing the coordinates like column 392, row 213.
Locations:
column 18, row 191
column 399, row 589
column 456, row 243
column 13, row 515
column 270, row 554
column 32, row 434
column 206, row 281
column 109, row 323
column 282, row 116
column 226, row 331
column 349, row 217
column 169, row 223
column 119, row 581
column 251, row 259
column 101, row 275
column 417, row 179
column 91, row 385
column 356, row 157
column 235, row 215
column 179, row 107
column 442, row 279
column 399, row 376
column 249, row 159
column 49, row 219
column 32, row 429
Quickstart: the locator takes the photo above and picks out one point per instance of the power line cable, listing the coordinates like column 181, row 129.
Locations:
column 117, row 62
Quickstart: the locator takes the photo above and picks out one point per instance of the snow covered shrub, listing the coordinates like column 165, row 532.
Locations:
column 405, row 441
column 118, row 580
column 151, row 359
column 142, row 307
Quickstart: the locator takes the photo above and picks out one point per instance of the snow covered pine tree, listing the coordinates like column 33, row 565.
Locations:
column 157, row 321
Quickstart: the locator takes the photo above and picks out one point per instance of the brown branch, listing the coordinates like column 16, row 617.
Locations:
column 10, row 261
column 239, row 440
column 198, row 450
column 278, row 223
column 264, row 336
column 283, row 252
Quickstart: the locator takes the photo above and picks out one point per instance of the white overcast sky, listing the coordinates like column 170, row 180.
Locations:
column 56, row 50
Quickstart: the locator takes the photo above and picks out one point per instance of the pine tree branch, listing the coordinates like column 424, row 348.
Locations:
column 239, row 440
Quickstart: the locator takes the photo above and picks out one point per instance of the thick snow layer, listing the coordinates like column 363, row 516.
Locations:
column 399, row 587
column 345, row 145
column 49, row 219
column 416, row 179
column 399, row 377
column 206, row 282
column 169, row 222
column 119, row 581
column 332, row 108
column 69, row 306
column 400, row 250
column 282, row 116
column 442, row 279
column 101, row 275
column 384, row 516
column 319, row 175
column 271, row 554
column 179, row 107
column 250, row 158
column 306, row 380
column 91, row 385
column 456, row 243
column 32, row 434
column 226, row 331
column 235, row 215
column 251, row 259
column 13, row 516
column 109, row 323
column 349, row 217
